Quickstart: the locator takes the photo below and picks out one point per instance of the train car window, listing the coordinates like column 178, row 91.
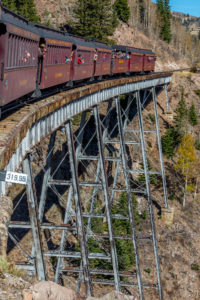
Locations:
column 57, row 55
column 86, row 56
column 99, row 59
column 22, row 52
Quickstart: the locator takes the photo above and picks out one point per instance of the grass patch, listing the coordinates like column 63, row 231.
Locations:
column 9, row 267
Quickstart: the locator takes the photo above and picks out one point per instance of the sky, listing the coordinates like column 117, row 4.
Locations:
column 191, row 7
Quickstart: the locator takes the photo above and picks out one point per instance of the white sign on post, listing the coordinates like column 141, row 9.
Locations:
column 16, row 177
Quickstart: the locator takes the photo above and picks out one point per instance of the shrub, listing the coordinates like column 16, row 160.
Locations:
column 195, row 267
column 197, row 92
column 197, row 144
column 172, row 197
column 151, row 117
column 193, row 116
column 148, row 270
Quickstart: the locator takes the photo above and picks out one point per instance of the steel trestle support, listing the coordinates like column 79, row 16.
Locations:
column 79, row 217
column 147, row 180
column 34, row 218
column 103, row 160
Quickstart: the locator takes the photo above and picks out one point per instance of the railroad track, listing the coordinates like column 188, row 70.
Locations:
column 16, row 105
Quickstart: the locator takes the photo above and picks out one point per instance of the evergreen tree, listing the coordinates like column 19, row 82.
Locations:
column 193, row 117
column 25, row 8
column 141, row 10
column 94, row 19
column 169, row 141
column 181, row 117
column 123, row 10
column 10, row 4
column 164, row 15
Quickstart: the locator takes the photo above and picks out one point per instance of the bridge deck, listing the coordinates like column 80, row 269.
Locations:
column 27, row 126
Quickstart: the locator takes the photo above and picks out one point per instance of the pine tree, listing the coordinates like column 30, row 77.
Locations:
column 27, row 9
column 123, row 10
column 181, row 118
column 169, row 141
column 164, row 15
column 193, row 117
column 94, row 19
column 10, row 4
column 141, row 10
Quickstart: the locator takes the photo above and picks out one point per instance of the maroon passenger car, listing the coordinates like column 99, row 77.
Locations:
column 82, row 65
column 103, row 61
column 120, row 59
column 145, row 63
column 54, row 63
column 18, row 56
column 149, row 61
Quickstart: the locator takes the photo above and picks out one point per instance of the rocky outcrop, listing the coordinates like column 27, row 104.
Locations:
column 114, row 296
column 6, row 206
column 55, row 13
column 49, row 290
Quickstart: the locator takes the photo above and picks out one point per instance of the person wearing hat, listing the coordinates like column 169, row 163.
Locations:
column 42, row 50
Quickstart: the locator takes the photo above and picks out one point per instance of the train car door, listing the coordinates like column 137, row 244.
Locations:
column 41, row 56
column 73, row 55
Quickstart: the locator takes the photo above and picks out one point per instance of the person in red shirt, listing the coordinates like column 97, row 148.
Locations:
column 80, row 61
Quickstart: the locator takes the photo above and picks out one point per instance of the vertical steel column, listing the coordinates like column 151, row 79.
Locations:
column 146, row 172
column 33, row 213
column 46, row 177
column 160, row 148
column 107, row 200
column 105, row 132
column 69, row 199
column 167, row 98
column 79, row 217
column 128, row 191
column 118, row 162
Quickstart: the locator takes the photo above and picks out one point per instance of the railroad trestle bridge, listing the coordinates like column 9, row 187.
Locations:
column 89, row 194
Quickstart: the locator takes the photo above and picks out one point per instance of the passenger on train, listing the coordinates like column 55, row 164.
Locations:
column 42, row 50
column 80, row 60
column 95, row 55
column 67, row 60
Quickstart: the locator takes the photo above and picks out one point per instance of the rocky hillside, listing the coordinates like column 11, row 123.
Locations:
column 190, row 22
column 180, row 53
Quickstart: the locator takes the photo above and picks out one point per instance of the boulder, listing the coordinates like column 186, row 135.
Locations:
column 48, row 290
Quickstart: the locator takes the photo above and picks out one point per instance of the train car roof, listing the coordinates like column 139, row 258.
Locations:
column 99, row 44
column 51, row 33
column 82, row 42
column 140, row 50
column 124, row 48
column 8, row 16
column 120, row 48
